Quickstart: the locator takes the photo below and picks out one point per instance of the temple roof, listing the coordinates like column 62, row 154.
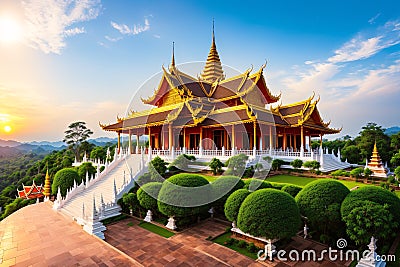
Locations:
column 32, row 191
column 213, row 69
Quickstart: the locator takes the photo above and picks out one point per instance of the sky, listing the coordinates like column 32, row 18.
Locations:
column 63, row 60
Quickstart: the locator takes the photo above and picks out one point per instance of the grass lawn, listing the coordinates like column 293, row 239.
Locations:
column 302, row 181
column 224, row 237
column 156, row 229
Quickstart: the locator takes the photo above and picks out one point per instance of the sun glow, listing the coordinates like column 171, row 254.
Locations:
column 7, row 128
column 10, row 30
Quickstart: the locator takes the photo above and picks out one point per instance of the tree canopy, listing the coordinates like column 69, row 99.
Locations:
column 76, row 134
column 148, row 194
column 269, row 213
column 65, row 180
column 233, row 203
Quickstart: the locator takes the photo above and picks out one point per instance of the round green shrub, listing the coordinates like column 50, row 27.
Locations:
column 222, row 188
column 269, row 213
column 374, row 194
column 176, row 199
column 254, row 184
column 65, row 180
column 148, row 194
column 292, row 189
column 233, row 203
column 320, row 202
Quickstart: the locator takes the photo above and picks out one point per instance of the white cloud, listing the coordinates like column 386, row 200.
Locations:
column 111, row 39
column 48, row 21
column 373, row 19
column 362, row 47
column 74, row 31
column 136, row 29
column 157, row 36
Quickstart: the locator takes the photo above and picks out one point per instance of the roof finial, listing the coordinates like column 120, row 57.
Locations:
column 213, row 36
column 173, row 54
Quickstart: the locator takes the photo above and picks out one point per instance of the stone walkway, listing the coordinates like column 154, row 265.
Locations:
column 38, row 236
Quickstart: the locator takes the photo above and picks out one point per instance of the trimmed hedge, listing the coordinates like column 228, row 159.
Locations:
column 233, row 203
column 222, row 188
column 269, row 213
column 176, row 199
column 291, row 189
column 148, row 194
column 65, row 180
column 374, row 194
column 320, row 202
column 254, row 184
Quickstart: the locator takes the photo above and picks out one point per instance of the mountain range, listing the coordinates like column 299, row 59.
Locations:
column 43, row 147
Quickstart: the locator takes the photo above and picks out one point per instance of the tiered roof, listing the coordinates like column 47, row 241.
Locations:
column 30, row 192
column 213, row 100
column 375, row 165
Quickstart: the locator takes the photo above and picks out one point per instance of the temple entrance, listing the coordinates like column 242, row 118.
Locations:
column 181, row 144
column 194, row 141
column 218, row 139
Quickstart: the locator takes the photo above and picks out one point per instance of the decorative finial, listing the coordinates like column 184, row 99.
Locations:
column 173, row 54
column 213, row 36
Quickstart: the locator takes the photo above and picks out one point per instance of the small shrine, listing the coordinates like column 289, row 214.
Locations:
column 375, row 165
column 31, row 191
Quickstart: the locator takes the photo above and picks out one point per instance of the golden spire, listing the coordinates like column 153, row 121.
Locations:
column 213, row 69
column 375, row 148
column 47, row 190
column 173, row 57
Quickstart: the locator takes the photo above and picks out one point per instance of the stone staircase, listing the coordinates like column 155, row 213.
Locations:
column 98, row 201
column 330, row 163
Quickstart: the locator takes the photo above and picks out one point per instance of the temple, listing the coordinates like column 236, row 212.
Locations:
column 212, row 112
column 31, row 192
column 375, row 165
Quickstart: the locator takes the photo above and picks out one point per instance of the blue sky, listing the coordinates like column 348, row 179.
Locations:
column 84, row 60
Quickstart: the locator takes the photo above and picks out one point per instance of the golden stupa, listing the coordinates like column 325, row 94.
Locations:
column 375, row 165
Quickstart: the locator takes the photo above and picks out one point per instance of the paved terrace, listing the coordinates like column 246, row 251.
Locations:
column 38, row 236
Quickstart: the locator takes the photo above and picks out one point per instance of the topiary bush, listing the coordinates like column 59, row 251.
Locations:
column 320, row 202
column 147, row 178
column 254, row 184
column 148, row 194
column 233, row 203
column 313, row 165
column 269, row 213
column 292, row 189
column 157, row 168
column 182, row 162
column 374, row 194
column 65, row 180
column 176, row 199
column 222, row 188
column 296, row 164
column 276, row 164
column 216, row 166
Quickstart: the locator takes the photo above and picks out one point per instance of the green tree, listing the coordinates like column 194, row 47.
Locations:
column 312, row 164
column 99, row 152
column 276, row 164
column 296, row 164
column 76, row 134
column 368, row 135
column 269, row 213
column 395, row 141
column 395, row 160
column 320, row 202
column 371, row 193
column 148, row 194
column 176, row 198
column 84, row 168
column 157, row 168
column 130, row 200
column 357, row 172
column 65, row 180
column 233, row 203
column 397, row 172
column 216, row 166
column 370, row 219
column 237, row 164
column 222, row 188
column 351, row 153
column 367, row 172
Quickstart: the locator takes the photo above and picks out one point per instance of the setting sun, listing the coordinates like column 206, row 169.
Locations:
column 7, row 128
column 10, row 30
